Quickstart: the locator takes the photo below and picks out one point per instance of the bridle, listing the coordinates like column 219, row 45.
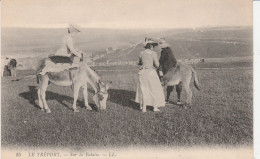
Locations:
column 101, row 92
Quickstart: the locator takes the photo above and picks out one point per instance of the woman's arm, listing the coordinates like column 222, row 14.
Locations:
column 155, row 60
column 71, row 48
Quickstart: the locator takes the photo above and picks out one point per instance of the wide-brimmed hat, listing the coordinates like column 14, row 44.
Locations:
column 74, row 28
column 150, row 41
column 163, row 43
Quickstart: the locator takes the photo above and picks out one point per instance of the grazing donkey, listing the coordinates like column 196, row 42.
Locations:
column 76, row 77
column 182, row 73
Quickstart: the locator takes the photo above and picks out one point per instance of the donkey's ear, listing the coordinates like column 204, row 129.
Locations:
column 108, row 85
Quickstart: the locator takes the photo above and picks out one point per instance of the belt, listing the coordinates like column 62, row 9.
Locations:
column 146, row 68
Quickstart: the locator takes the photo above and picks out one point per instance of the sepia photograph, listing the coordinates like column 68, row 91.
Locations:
column 127, row 79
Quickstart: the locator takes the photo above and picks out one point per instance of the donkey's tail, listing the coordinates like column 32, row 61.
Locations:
column 196, row 81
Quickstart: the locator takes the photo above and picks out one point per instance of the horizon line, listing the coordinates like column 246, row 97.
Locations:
column 130, row 28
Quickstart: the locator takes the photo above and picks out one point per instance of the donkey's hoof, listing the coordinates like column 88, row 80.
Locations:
column 156, row 110
column 42, row 109
column 48, row 111
column 88, row 107
column 76, row 110
column 143, row 111
column 179, row 103
column 186, row 106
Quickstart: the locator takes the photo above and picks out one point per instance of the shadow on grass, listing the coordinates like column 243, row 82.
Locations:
column 123, row 98
column 32, row 96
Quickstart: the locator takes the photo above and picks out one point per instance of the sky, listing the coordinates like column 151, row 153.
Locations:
column 126, row 13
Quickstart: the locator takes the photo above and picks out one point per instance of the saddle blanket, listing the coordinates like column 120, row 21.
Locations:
column 56, row 64
column 61, row 59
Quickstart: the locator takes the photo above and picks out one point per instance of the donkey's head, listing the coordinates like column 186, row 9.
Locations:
column 101, row 95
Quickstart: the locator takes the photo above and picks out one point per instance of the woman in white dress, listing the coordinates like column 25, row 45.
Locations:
column 149, row 88
column 66, row 49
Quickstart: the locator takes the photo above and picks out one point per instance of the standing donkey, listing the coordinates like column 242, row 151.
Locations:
column 182, row 73
column 175, row 74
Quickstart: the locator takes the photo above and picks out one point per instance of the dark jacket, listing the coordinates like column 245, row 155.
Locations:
column 167, row 60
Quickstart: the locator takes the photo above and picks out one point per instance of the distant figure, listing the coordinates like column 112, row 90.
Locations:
column 149, row 89
column 12, row 67
column 65, row 54
column 168, row 61
column 6, row 71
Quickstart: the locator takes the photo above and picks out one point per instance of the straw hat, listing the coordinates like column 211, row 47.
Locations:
column 163, row 43
column 73, row 28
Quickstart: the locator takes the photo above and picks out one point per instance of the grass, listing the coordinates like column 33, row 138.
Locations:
column 199, row 65
column 221, row 114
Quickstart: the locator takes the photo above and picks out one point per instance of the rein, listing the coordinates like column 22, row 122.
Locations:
column 101, row 92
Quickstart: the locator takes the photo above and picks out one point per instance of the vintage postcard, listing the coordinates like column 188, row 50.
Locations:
column 126, row 79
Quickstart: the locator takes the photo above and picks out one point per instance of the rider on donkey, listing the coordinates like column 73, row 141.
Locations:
column 66, row 51
column 168, row 61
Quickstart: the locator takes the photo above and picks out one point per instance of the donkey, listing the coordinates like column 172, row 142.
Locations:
column 76, row 77
column 181, row 74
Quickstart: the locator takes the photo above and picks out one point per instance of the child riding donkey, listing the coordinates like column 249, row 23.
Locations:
column 66, row 57
column 65, row 69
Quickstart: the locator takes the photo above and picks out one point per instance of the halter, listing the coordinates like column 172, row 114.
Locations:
column 101, row 92
column 100, row 97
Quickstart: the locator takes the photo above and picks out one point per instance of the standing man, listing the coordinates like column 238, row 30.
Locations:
column 5, row 70
column 168, row 61
column 12, row 67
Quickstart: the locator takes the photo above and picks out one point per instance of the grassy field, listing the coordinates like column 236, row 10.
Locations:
column 221, row 114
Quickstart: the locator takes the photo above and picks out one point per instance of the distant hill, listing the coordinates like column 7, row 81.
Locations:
column 197, row 43
column 117, row 44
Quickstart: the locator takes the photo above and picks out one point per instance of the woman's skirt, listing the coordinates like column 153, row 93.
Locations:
column 7, row 72
column 149, row 89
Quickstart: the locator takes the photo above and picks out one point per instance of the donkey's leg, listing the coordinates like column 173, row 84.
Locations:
column 169, row 90
column 76, row 94
column 85, row 94
column 189, row 93
column 178, row 90
column 40, row 99
column 43, row 88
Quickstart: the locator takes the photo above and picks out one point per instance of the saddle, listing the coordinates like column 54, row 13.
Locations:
column 55, row 63
column 60, row 59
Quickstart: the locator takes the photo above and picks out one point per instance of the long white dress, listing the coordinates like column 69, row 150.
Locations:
column 149, row 89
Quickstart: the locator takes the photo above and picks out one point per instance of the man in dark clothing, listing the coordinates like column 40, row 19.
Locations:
column 168, row 61
column 12, row 67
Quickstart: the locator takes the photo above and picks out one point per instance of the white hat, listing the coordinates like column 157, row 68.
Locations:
column 73, row 28
column 163, row 43
column 148, row 40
